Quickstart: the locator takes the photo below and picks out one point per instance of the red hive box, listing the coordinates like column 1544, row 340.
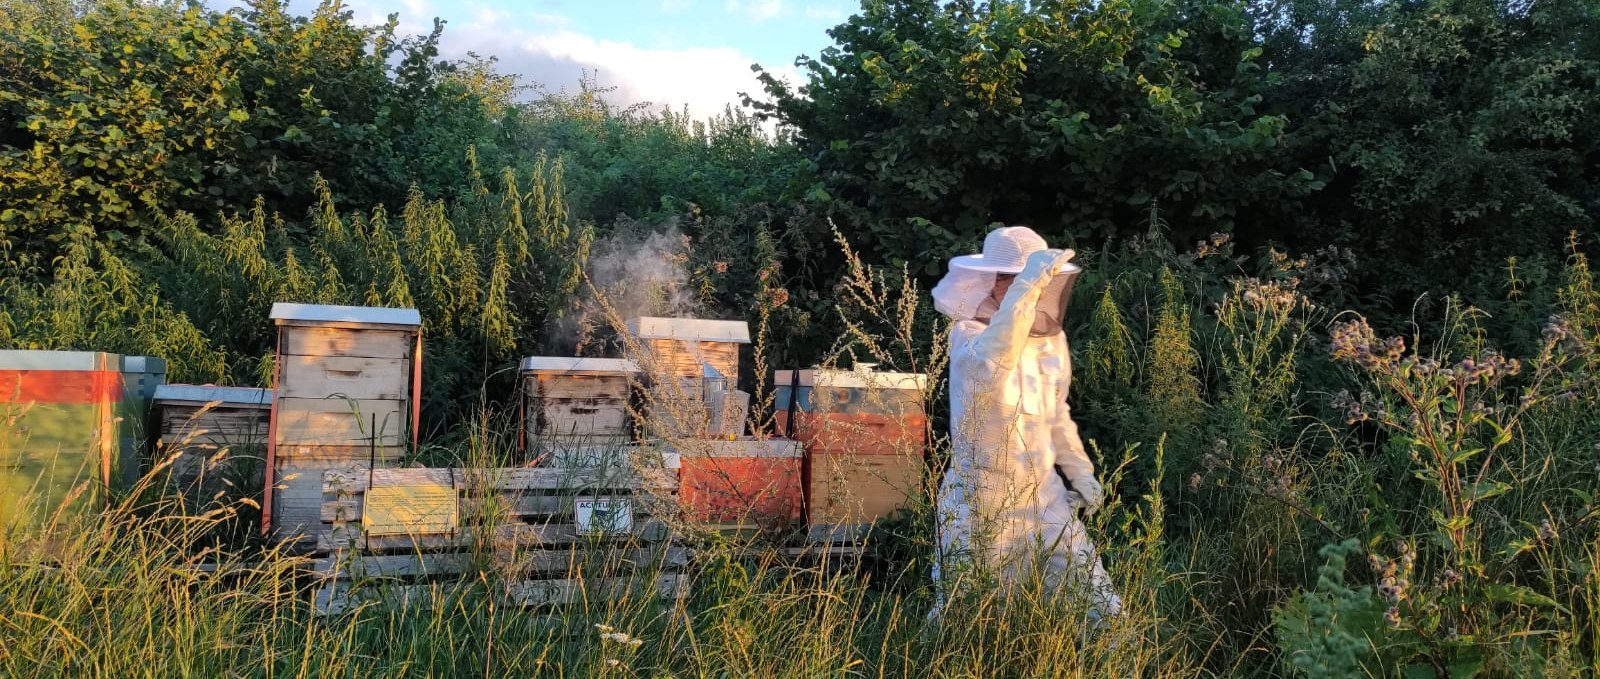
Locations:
column 742, row 482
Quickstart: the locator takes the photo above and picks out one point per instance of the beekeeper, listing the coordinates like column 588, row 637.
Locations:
column 1002, row 509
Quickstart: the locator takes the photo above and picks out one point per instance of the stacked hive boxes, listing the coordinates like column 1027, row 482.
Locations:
column 576, row 406
column 217, row 434
column 725, row 478
column 344, row 397
column 864, row 434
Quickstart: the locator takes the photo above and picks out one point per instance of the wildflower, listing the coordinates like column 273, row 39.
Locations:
column 613, row 662
column 720, row 267
column 635, row 642
column 604, row 628
column 1195, row 481
column 1356, row 342
column 1547, row 530
column 1451, row 577
column 1392, row 616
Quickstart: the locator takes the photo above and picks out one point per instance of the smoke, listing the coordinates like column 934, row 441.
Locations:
column 637, row 272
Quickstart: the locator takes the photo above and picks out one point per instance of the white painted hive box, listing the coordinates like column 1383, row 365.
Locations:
column 344, row 398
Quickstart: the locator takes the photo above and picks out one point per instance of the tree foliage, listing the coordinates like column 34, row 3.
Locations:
column 114, row 112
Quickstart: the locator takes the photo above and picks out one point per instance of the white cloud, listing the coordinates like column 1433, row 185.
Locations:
column 757, row 10
column 543, row 49
column 703, row 79
column 763, row 10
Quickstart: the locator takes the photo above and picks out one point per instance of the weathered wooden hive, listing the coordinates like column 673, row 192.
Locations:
column 690, row 363
column 864, row 434
column 575, row 404
column 218, row 434
column 681, row 347
column 62, row 423
column 344, row 398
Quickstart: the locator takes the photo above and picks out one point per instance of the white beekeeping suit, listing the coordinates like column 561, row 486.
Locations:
column 1002, row 509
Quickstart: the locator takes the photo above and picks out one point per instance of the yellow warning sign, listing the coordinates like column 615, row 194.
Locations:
column 417, row 509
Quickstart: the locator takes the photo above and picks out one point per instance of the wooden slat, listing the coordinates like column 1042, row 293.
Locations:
column 347, row 377
column 347, row 507
column 341, row 456
column 518, row 478
column 579, row 386
column 339, row 597
column 350, row 342
column 510, row 536
column 557, row 592
column 331, row 422
column 562, row 561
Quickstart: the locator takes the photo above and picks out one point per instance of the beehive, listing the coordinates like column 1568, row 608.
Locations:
column 864, row 434
column 63, row 422
column 218, row 435
column 745, row 482
column 682, row 347
column 344, row 397
column 574, row 404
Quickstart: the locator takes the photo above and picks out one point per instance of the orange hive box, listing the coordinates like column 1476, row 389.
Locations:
column 741, row 482
column 864, row 435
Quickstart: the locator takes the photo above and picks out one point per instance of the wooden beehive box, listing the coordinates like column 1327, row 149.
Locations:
column 61, row 425
column 344, row 397
column 864, row 434
column 576, row 403
column 741, row 483
column 216, row 436
column 682, row 347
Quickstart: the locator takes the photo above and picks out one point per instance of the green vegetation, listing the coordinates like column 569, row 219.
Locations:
column 1295, row 488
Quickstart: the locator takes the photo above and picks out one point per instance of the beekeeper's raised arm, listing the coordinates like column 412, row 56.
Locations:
column 1007, row 334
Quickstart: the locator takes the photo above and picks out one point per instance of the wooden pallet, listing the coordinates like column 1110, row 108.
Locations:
column 536, row 530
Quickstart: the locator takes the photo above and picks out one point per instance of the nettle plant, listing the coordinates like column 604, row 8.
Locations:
column 1467, row 583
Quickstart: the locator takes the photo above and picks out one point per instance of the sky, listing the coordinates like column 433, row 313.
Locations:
column 680, row 53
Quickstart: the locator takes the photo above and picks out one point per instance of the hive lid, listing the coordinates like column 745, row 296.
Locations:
column 329, row 313
column 690, row 329
column 206, row 393
column 578, row 365
column 33, row 359
column 863, row 377
column 744, row 446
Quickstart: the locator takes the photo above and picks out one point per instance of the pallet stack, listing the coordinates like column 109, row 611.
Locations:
column 552, row 536
column 344, row 398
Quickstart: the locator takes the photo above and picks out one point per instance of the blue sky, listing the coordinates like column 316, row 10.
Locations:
column 681, row 53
